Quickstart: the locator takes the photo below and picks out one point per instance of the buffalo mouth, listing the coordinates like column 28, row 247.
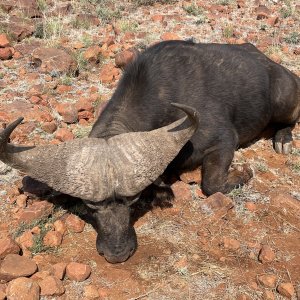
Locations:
column 114, row 259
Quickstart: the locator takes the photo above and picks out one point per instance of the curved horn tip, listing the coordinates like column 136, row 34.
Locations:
column 4, row 135
column 192, row 113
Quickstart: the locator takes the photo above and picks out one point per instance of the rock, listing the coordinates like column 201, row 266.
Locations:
column 64, row 134
column 266, row 254
column 39, row 276
column 37, row 210
column 217, row 205
column 125, row 57
column 231, row 244
column 74, row 223
column 181, row 191
column 4, row 42
column 108, row 73
column 243, row 297
column 14, row 266
column 286, row 289
column 21, row 200
column 267, row 280
column 262, row 12
column 23, row 289
column 60, row 226
column 59, row 270
column 25, row 240
column 86, row 115
column 51, row 286
column 20, row 28
column 91, row 292
column 84, row 104
column 157, row 18
column 88, row 19
column 61, row 89
column 49, row 127
column 78, row 272
column 68, row 112
column 272, row 21
column 268, row 295
column 6, row 53
column 191, row 176
column 53, row 239
column 53, row 60
column 251, row 206
column 92, row 54
column 8, row 246
column 167, row 36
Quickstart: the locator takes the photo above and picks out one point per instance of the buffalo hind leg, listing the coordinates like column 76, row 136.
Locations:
column 283, row 140
column 215, row 172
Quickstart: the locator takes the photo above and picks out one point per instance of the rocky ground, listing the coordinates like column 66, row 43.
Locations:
column 60, row 62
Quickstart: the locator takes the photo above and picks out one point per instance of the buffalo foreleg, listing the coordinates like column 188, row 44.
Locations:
column 215, row 172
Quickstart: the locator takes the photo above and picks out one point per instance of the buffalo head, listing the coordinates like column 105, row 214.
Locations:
column 108, row 174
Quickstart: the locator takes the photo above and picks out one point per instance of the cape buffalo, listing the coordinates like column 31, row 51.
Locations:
column 237, row 91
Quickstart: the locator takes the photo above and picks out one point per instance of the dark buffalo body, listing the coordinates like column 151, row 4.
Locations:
column 237, row 90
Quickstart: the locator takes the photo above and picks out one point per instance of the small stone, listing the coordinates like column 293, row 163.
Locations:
column 251, row 206
column 59, row 270
column 231, row 244
column 243, row 297
column 268, row 295
column 78, row 272
column 74, row 223
column 5, row 53
column 267, row 280
column 21, row 200
column 52, row 239
column 4, row 42
column 14, row 266
column 217, row 205
column 51, row 286
column 181, row 191
column 91, row 292
column 49, row 127
column 25, row 240
column 35, row 211
column 60, row 226
column 167, row 36
column 266, row 254
column 39, row 276
column 84, row 104
column 8, row 246
column 92, row 54
column 157, row 18
column 61, row 89
column 191, row 176
column 68, row 112
column 23, row 289
column 35, row 230
column 53, row 60
column 2, row 295
column 125, row 57
column 272, row 21
column 262, row 12
column 64, row 134
column 286, row 289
